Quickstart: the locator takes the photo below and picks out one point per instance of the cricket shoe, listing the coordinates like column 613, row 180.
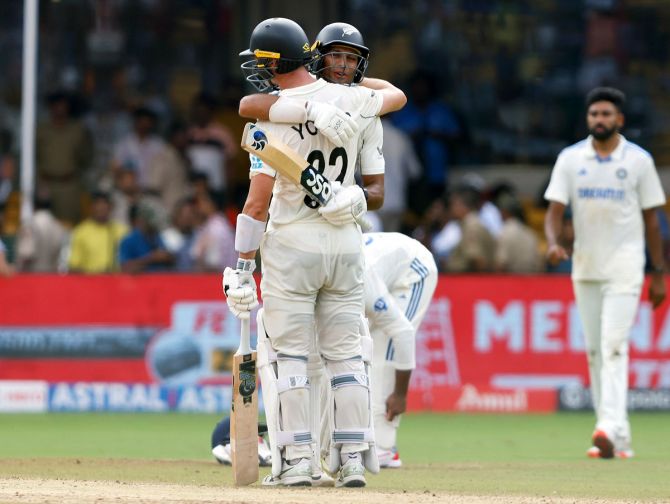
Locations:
column 604, row 443
column 389, row 458
column 623, row 453
column 352, row 472
column 222, row 453
column 298, row 474
column 264, row 453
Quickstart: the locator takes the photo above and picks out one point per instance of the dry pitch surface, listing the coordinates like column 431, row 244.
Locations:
column 21, row 490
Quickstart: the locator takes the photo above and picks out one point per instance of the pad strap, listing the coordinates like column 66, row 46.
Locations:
column 292, row 382
column 285, row 438
column 349, row 379
column 341, row 436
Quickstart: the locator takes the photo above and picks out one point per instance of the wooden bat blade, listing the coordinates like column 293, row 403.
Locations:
column 244, row 415
column 286, row 161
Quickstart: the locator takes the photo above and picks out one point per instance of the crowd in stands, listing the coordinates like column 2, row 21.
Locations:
column 167, row 203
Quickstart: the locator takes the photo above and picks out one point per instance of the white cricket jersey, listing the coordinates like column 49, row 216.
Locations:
column 607, row 197
column 396, row 259
column 336, row 163
column 371, row 142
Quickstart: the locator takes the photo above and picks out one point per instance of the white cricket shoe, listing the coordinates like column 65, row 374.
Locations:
column 389, row 458
column 222, row 454
column 298, row 474
column 264, row 453
column 352, row 472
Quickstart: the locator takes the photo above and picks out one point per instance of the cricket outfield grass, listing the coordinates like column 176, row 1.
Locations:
column 506, row 457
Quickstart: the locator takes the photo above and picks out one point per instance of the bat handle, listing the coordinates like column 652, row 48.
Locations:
column 245, row 338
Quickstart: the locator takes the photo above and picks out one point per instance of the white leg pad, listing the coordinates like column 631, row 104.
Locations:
column 284, row 393
column 350, row 413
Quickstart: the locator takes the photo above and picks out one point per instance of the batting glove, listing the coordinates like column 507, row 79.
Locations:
column 239, row 287
column 334, row 123
column 346, row 206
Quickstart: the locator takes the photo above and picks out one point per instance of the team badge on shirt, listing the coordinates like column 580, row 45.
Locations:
column 621, row 173
column 380, row 305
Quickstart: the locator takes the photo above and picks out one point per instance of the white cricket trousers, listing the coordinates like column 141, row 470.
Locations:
column 607, row 312
column 413, row 300
column 313, row 281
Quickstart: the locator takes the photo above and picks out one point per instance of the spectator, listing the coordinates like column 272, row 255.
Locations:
column 136, row 150
column 6, row 269
column 214, row 246
column 64, row 152
column 143, row 250
column 517, row 250
column 41, row 240
column 432, row 125
column 402, row 165
column 179, row 237
column 474, row 252
column 169, row 170
column 211, row 145
column 128, row 193
column 95, row 241
column 7, row 166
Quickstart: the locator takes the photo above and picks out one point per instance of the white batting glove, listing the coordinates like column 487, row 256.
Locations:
column 333, row 122
column 239, row 287
column 347, row 206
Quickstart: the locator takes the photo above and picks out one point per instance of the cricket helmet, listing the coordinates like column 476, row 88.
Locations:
column 277, row 39
column 340, row 34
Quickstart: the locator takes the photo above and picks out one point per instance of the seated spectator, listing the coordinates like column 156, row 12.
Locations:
column 214, row 246
column 127, row 192
column 143, row 250
column 474, row 252
column 7, row 166
column 137, row 149
column 180, row 236
column 6, row 269
column 95, row 241
column 41, row 239
column 169, row 170
column 518, row 248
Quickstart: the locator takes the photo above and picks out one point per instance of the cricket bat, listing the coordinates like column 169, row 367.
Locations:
column 244, row 414
column 291, row 164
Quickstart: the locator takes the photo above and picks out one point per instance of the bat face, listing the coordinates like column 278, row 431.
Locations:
column 244, row 420
column 286, row 161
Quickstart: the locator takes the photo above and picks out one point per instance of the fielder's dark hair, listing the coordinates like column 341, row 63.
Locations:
column 612, row 95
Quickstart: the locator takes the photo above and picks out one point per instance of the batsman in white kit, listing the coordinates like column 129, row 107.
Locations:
column 614, row 191
column 312, row 266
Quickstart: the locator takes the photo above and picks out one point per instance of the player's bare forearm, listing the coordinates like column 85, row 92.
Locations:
column 374, row 185
column 396, row 403
column 394, row 98
column 553, row 226
column 257, row 106
column 657, row 289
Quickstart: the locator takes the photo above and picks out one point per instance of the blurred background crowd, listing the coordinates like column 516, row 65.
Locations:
column 138, row 166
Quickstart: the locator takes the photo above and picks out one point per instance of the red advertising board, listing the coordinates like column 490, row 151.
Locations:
column 484, row 339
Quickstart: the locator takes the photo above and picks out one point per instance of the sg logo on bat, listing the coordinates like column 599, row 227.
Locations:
column 318, row 186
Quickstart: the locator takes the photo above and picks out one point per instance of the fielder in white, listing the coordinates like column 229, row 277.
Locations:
column 400, row 280
column 312, row 265
column 614, row 191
